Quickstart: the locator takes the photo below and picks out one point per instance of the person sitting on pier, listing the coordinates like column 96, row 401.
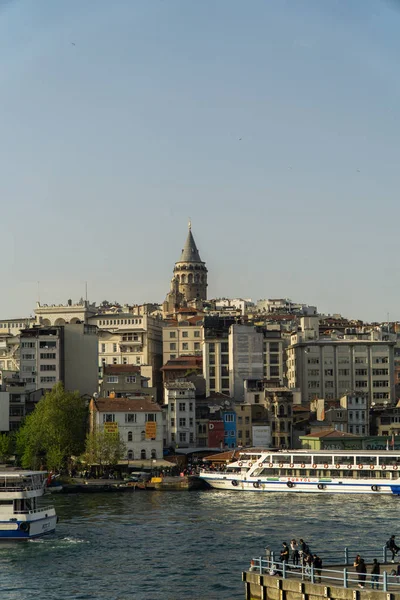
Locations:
column 391, row 544
column 375, row 572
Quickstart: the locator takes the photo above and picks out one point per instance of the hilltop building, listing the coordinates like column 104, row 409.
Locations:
column 189, row 282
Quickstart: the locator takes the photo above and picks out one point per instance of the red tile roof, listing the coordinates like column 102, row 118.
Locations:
column 334, row 433
column 125, row 405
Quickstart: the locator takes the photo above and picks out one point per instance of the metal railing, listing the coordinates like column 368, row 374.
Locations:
column 33, row 511
column 343, row 577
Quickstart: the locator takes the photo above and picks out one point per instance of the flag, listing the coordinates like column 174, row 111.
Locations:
column 392, row 442
column 387, row 444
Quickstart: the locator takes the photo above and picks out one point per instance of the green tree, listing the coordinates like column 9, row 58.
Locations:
column 104, row 449
column 55, row 430
column 6, row 446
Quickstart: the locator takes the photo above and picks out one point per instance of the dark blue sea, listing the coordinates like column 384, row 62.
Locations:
column 180, row 545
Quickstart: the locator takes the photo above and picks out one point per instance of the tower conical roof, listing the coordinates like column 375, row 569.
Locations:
column 190, row 252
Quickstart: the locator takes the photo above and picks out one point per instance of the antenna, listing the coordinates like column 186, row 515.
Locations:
column 38, row 291
column 86, row 291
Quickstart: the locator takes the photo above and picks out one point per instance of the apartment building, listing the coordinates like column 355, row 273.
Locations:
column 120, row 381
column 180, row 406
column 356, row 406
column 183, row 338
column 330, row 367
column 138, row 421
column 66, row 353
column 127, row 338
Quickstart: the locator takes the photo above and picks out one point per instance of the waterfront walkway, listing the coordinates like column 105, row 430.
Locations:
column 335, row 572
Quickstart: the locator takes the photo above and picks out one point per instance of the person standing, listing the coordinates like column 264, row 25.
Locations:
column 375, row 572
column 362, row 573
column 295, row 552
column 391, row 544
column 317, row 568
column 285, row 553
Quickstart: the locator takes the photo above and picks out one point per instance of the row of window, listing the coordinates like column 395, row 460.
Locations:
column 143, row 454
column 184, row 345
column 182, row 406
column 115, row 379
column 359, row 384
column 182, row 422
column 182, row 437
column 345, row 372
column 124, row 360
column 13, row 326
column 358, row 360
column 184, row 334
column 120, row 322
column 129, row 417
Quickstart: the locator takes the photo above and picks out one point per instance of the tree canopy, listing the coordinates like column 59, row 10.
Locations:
column 54, row 432
column 104, row 449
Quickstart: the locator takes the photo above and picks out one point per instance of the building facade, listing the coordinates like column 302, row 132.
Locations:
column 180, row 406
column 138, row 421
column 66, row 353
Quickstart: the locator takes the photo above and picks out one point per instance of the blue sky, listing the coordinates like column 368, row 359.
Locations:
column 120, row 120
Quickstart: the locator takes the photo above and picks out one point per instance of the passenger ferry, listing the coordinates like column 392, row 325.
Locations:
column 21, row 516
column 338, row 471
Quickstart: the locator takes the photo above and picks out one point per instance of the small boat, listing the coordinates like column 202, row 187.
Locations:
column 322, row 471
column 22, row 517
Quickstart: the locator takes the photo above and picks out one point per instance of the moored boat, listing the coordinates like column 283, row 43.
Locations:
column 323, row 471
column 22, row 517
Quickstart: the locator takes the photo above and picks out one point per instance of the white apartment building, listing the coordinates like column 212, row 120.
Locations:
column 66, row 353
column 333, row 366
column 138, row 421
column 180, row 421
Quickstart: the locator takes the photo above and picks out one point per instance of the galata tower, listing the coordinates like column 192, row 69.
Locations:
column 190, row 271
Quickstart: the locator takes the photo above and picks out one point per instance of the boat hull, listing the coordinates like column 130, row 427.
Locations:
column 29, row 528
column 290, row 484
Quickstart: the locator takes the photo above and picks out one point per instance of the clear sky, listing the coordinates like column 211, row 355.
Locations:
column 273, row 124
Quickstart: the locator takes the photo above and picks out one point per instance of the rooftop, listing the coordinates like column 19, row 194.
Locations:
column 142, row 404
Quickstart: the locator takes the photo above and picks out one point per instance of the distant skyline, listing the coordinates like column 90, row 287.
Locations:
column 273, row 126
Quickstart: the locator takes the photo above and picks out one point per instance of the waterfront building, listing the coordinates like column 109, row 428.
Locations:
column 180, row 414
column 333, row 365
column 138, row 421
column 121, row 381
column 244, row 424
column 66, row 353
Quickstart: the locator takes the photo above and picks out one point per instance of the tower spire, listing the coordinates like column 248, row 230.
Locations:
column 190, row 224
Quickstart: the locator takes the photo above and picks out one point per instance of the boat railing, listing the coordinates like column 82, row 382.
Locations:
column 21, row 488
column 34, row 510
column 343, row 576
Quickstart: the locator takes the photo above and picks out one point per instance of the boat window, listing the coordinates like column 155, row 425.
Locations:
column 283, row 459
column 366, row 460
column 344, row 460
column 387, row 460
column 298, row 459
column 319, row 460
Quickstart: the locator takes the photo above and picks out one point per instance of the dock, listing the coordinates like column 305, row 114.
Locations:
column 271, row 580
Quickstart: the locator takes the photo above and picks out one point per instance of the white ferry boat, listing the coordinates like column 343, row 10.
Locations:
column 338, row 471
column 21, row 516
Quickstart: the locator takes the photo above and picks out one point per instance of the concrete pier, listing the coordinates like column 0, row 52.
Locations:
column 273, row 587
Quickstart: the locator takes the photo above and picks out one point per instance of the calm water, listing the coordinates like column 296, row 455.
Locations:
column 180, row 545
